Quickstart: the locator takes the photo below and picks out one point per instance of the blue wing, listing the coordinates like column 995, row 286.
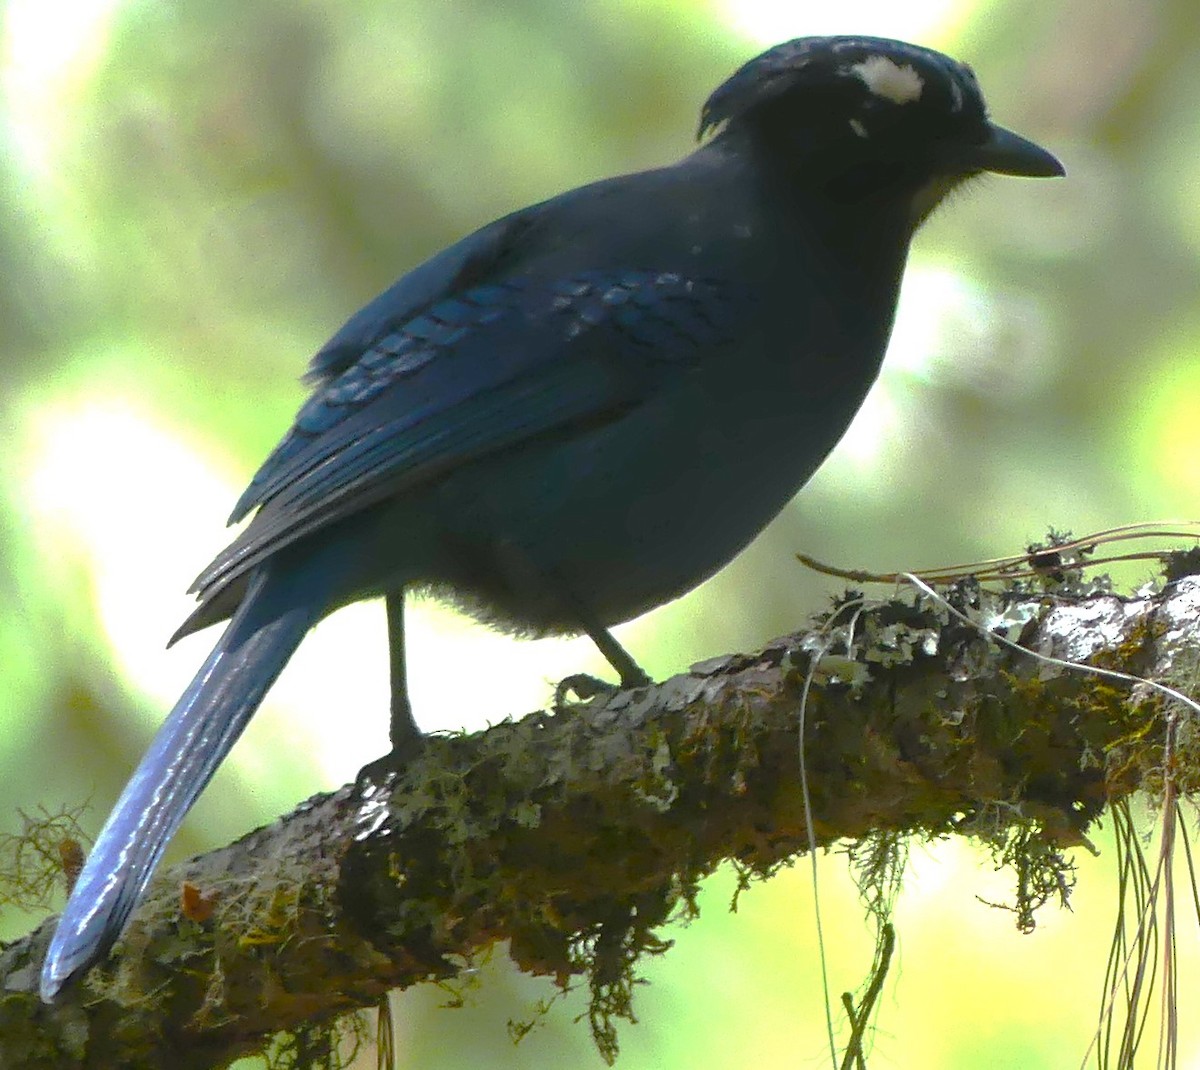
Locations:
column 472, row 374
column 458, row 267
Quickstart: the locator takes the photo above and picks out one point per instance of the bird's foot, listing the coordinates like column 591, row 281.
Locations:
column 583, row 687
column 580, row 687
column 384, row 767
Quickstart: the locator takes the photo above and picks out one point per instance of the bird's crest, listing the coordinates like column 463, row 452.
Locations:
column 886, row 71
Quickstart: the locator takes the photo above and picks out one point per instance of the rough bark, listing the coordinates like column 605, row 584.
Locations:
column 575, row 837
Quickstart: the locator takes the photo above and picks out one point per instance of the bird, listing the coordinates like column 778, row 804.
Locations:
column 580, row 411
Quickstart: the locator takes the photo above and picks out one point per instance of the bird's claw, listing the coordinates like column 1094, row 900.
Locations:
column 383, row 768
column 581, row 687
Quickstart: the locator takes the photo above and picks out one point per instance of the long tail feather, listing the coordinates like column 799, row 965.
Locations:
column 196, row 736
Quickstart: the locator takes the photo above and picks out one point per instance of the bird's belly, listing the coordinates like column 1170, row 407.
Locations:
column 622, row 517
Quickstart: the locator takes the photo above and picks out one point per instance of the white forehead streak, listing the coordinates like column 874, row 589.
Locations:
column 886, row 78
column 956, row 95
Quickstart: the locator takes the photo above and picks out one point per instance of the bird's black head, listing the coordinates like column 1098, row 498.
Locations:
column 866, row 118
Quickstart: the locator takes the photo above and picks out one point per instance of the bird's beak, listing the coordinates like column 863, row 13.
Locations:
column 1006, row 153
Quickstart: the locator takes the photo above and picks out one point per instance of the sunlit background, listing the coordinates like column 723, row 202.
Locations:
column 196, row 194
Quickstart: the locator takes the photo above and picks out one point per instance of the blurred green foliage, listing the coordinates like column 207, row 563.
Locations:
column 205, row 190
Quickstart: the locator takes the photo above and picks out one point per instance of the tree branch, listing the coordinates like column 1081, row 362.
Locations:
column 576, row 837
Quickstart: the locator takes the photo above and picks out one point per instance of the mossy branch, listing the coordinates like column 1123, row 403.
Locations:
column 576, row 837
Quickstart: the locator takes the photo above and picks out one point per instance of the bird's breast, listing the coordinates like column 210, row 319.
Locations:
column 633, row 512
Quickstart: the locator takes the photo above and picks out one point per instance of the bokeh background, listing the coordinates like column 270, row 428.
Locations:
column 194, row 195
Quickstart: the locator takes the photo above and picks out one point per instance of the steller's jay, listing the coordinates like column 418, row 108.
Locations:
column 580, row 411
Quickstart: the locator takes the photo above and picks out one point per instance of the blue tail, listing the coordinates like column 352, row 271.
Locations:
column 275, row 614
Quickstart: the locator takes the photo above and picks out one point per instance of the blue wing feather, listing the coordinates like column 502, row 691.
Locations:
column 457, row 267
column 395, row 357
column 541, row 354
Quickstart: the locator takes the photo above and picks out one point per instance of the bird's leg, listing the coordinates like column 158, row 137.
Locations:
column 551, row 587
column 585, row 686
column 403, row 732
column 632, row 674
